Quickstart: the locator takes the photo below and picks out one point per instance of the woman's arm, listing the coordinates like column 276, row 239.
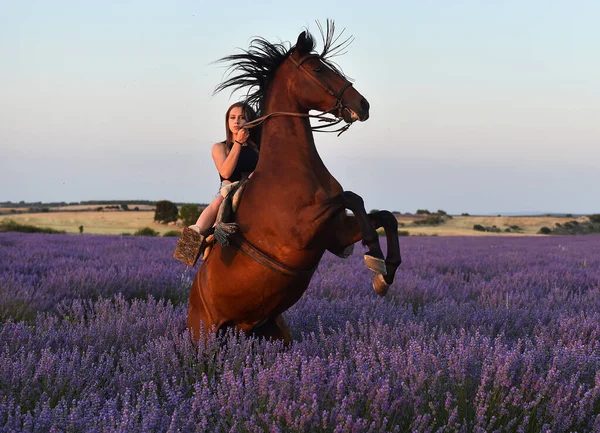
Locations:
column 226, row 163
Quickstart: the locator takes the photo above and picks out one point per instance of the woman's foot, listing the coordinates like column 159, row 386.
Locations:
column 195, row 228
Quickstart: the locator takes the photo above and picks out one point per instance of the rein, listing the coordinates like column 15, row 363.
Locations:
column 338, row 107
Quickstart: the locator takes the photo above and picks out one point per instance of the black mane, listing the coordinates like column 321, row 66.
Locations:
column 255, row 67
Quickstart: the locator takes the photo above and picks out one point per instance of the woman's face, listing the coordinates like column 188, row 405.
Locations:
column 236, row 120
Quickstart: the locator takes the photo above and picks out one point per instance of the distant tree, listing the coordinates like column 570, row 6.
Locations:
column 441, row 212
column 136, row 208
column 124, row 206
column 80, row 229
column 99, row 208
column 465, row 214
column 545, row 231
column 569, row 215
column 146, row 231
column 423, row 212
column 166, row 211
column 189, row 213
column 479, row 228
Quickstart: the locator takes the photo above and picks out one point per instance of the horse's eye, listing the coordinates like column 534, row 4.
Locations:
column 317, row 69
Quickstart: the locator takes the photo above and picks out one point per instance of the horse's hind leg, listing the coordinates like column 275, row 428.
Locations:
column 198, row 320
column 374, row 256
column 274, row 328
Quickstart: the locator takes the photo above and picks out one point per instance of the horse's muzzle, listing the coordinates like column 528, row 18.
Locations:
column 351, row 116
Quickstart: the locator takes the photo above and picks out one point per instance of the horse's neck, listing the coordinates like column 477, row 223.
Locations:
column 288, row 140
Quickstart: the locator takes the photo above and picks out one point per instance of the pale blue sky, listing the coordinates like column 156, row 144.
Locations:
column 477, row 107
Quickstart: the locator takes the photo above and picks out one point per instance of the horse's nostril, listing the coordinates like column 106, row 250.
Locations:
column 364, row 104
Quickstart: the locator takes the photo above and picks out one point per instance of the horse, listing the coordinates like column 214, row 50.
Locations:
column 293, row 209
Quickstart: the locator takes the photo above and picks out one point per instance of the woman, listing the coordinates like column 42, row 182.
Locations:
column 235, row 157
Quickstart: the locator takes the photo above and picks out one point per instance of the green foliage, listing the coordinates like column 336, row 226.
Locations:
column 80, row 229
column 569, row 215
column 166, row 211
column 441, row 212
column 574, row 228
column 124, row 206
column 189, row 213
column 146, row 231
column 481, row 228
column 465, row 214
column 172, row 234
column 595, row 218
column 423, row 212
column 432, row 220
column 545, row 231
column 13, row 226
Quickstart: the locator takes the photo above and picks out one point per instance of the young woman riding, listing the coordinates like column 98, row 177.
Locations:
column 235, row 158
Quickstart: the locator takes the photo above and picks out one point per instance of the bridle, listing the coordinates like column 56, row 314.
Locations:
column 337, row 110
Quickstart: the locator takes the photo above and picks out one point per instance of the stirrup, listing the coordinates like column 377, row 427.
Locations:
column 189, row 246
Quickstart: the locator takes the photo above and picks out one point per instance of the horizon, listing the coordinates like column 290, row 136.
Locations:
column 474, row 107
column 141, row 201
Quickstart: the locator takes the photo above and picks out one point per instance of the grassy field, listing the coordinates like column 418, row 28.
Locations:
column 118, row 222
column 105, row 223
column 463, row 225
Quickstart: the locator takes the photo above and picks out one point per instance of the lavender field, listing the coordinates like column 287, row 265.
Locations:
column 478, row 334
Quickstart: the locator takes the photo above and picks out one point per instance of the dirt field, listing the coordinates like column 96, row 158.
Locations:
column 463, row 225
column 118, row 222
column 105, row 222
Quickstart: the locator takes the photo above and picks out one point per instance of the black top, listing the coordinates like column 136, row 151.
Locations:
column 246, row 163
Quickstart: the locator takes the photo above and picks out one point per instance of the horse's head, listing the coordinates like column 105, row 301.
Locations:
column 317, row 85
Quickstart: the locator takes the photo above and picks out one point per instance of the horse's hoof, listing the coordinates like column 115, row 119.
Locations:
column 379, row 285
column 375, row 264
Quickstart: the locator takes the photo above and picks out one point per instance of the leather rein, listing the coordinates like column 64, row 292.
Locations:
column 336, row 110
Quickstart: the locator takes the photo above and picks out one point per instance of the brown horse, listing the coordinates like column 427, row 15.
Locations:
column 292, row 209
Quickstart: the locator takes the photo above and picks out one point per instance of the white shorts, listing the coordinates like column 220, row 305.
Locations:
column 225, row 188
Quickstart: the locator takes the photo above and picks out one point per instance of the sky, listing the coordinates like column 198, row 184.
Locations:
column 478, row 107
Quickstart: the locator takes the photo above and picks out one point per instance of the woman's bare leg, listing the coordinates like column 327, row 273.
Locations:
column 209, row 214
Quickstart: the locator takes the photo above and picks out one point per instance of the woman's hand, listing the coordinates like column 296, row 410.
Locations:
column 242, row 136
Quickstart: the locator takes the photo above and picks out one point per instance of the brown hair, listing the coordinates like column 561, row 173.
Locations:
column 249, row 115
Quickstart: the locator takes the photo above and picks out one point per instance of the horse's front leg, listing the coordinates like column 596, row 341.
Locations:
column 351, row 229
column 388, row 221
column 360, row 228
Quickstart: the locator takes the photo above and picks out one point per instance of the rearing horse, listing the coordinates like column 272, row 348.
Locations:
column 292, row 209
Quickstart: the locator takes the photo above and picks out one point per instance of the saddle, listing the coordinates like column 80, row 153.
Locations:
column 191, row 243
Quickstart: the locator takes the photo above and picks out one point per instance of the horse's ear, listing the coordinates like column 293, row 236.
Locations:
column 304, row 45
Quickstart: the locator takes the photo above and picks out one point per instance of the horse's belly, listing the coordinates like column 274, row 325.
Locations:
column 242, row 290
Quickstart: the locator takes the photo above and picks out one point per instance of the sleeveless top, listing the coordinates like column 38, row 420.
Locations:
column 246, row 163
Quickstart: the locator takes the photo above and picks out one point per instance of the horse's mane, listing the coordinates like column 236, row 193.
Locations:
column 255, row 67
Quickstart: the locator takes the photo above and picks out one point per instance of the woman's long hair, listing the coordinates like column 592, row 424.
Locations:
column 249, row 115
